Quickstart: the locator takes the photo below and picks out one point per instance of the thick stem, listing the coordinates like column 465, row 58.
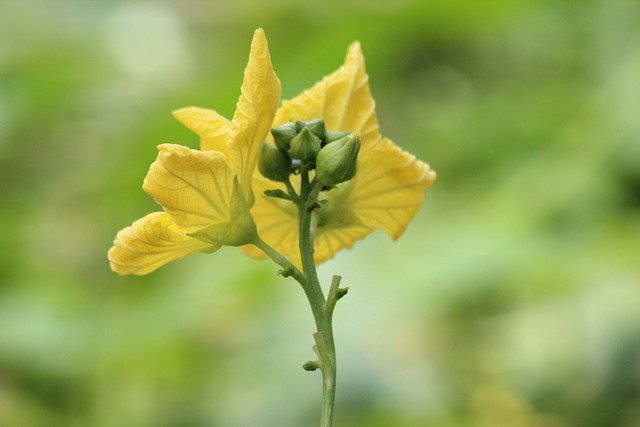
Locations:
column 288, row 267
column 314, row 291
column 324, row 337
column 321, row 307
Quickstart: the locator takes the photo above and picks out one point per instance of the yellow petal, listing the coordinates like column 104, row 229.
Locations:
column 211, row 127
column 343, row 99
column 386, row 192
column 254, row 113
column 277, row 222
column 240, row 230
column 194, row 187
column 389, row 187
column 332, row 240
column 151, row 242
column 276, row 219
column 280, row 231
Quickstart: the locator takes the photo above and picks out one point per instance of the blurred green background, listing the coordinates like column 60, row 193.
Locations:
column 512, row 300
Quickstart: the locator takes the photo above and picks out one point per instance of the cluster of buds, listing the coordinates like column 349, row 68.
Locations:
column 332, row 154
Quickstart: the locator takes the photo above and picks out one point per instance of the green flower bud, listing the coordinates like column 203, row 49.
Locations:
column 305, row 146
column 274, row 164
column 316, row 126
column 337, row 162
column 334, row 135
column 299, row 125
column 282, row 135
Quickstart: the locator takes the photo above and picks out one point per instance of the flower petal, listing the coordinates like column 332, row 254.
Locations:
column 388, row 188
column 240, row 230
column 151, row 242
column 211, row 127
column 280, row 231
column 332, row 240
column 343, row 99
column 194, row 187
column 386, row 192
column 277, row 222
column 254, row 113
column 276, row 219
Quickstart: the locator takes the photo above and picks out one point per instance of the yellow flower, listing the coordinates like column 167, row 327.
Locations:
column 205, row 195
column 386, row 192
column 196, row 188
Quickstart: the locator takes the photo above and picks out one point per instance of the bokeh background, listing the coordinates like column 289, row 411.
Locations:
column 512, row 300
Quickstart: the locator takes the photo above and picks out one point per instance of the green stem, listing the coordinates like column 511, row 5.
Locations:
column 324, row 338
column 282, row 261
column 321, row 308
column 292, row 191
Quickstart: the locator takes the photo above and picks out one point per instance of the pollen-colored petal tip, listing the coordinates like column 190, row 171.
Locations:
column 259, row 33
column 354, row 55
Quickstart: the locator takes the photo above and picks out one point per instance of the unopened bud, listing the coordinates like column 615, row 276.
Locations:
column 337, row 162
column 282, row 135
column 299, row 124
column 334, row 135
column 317, row 127
column 305, row 146
column 274, row 164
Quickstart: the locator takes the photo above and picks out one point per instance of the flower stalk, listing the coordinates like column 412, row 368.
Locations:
column 306, row 202
column 325, row 345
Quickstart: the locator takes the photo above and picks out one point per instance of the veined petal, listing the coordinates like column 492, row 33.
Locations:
column 254, row 113
column 332, row 240
column 242, row 228
column 151, row 242
column 343, row 99
column 277, row 222
column 211, row 127
column 388, row 188
column 194, row 187
column 239, row 230
column 279, row 228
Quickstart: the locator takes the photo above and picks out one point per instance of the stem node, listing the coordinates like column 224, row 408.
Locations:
column 286, row 272
column 311, row 365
